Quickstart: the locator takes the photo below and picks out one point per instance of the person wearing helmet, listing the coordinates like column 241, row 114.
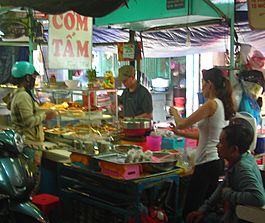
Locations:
column 26, row 116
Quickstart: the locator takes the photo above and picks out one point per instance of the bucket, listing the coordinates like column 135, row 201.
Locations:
column 153, row 143
column 179, row 101
column 260, row 146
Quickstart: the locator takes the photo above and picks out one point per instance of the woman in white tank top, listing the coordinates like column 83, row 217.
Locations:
column 211, row 117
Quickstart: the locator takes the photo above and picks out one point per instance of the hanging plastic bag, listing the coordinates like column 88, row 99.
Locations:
column 248, row 103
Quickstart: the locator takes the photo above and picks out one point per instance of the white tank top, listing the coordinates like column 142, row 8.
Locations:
column 209, row 132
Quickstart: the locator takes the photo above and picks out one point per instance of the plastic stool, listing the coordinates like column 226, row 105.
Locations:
column 45, row 202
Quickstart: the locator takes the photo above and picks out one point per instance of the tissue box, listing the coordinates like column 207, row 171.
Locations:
column 173, row 143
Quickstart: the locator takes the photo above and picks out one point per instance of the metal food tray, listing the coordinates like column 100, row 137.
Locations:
column 67, row 139
column 119, row 158
column 58, row 138
column 82, row 152
column 148, row 166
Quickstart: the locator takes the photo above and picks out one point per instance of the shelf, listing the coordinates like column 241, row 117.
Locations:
column 67, row 90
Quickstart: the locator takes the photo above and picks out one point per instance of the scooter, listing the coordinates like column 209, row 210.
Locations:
column 16, row 180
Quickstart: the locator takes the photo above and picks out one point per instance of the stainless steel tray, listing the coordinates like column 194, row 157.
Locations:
column 117, row 158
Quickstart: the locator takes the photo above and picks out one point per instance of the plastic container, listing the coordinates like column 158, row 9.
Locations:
column 173, row 143
column 179, row 101
column 153, row 143
column 45, row 202
column 191, row 143
column 72, row 83
column 201, row 98
column 120, row 171
column 260, row 146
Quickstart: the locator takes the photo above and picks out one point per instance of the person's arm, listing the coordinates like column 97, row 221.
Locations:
column 24, row 106
column 252, row 190
column 187, row 133
column 195, row 216
column 26, row 111
column 204, row 111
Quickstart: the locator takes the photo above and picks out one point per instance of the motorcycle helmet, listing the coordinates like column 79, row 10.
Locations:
column 22, row 68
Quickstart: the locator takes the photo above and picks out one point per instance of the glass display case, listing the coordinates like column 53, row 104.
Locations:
column 81, row 106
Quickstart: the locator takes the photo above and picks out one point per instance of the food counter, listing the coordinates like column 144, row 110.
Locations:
column 74, row 164
column 89, row 194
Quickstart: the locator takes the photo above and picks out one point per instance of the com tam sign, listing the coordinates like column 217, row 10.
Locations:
column 70, row 41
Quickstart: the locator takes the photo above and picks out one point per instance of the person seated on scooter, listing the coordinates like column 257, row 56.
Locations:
column 26, row 116
column 242, row 183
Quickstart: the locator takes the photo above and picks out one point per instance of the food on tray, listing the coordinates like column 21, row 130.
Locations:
column 49, row 105
column 74, row 105
column 82, row 131
column 136, row 156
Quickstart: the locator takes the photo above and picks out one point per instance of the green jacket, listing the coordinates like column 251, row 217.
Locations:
column 26, row 116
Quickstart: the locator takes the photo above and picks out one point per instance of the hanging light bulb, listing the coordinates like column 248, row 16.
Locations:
column 188, row 43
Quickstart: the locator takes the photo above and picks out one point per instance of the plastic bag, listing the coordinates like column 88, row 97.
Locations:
column 248, row 103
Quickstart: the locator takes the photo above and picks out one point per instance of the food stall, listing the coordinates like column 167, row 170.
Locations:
column 98, row 165
column 96, row 181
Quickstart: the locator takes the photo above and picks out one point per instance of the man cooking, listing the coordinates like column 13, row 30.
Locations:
column 136, row 100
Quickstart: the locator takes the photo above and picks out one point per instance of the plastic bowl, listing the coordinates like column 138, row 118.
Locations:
column 72, row 83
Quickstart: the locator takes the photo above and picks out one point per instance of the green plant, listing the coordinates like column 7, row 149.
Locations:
column 91, row 75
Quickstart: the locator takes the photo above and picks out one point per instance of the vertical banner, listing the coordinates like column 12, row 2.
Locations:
column 70, row 41
column 256, row 14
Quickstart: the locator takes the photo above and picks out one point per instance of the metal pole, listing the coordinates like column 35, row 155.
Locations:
column 30, row 22
column 232, row 38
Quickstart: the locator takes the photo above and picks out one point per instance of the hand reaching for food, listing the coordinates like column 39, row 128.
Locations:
column 174, row 112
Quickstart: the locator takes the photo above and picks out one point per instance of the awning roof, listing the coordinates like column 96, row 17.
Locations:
column 92, row 8
column 164, row 43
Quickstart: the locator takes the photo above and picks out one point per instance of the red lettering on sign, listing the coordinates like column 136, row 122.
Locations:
column 69, row 21
column 82, row 50
column 81, row 22
column 56, row 43
column 55, row 23
column 68, row 51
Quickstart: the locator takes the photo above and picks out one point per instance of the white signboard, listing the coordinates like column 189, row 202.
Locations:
column 70, row 41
